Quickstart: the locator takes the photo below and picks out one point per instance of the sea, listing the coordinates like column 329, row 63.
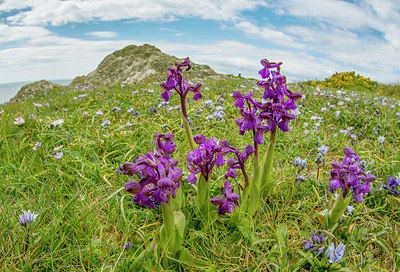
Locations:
column 9, row 90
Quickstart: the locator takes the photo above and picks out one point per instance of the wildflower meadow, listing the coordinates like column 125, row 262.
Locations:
column 178, row 173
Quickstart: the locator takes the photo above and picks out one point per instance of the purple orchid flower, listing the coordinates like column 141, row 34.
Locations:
column 159, row 175
column 239, row 162
column 274, row 113
column 350, row 177
column 227, row 201
column 176, row 81
column 203, row 159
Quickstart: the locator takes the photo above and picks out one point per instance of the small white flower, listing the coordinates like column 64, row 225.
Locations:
column 350, row 209
column 57, row 122
column 381, row 139
column 99, row 112
column 19, row 121
column 128, row 124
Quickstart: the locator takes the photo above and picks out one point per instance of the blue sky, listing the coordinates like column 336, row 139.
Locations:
column 58, row 39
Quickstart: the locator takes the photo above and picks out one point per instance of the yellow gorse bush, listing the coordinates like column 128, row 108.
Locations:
column 347, row 80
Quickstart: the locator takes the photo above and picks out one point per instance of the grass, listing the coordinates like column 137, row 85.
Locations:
column 85, row 216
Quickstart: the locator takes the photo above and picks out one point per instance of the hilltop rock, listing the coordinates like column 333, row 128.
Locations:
column 135, row 63
column 36, row 87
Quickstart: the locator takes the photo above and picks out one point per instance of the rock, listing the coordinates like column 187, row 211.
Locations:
column 135, row 63
column 36, row 87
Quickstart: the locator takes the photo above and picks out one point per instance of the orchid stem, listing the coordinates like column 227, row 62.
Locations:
column 188, row 133
column 266, row 171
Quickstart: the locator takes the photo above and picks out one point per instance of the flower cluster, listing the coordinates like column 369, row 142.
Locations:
column 203, row 159
column 300, row 164
column 275, row 111
column 349, row 176
column 227, row 201
column 159, row 176
column 316, row 243
column 392, row 184
column 176, row 81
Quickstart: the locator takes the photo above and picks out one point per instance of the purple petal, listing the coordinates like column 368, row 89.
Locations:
column 217, row 201
column 220, row 160
column 192, row 178
column 166, row 95
column 239, row 103
column 133, row 187
column 197, row 96
column 199, row 139
column 284, row 126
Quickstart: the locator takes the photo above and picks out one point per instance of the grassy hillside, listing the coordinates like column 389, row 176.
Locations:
column 85, row 216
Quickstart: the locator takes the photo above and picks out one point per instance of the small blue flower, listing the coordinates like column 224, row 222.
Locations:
column 208, row 103
column 127, row 244
column 58, row 155
column 335, row 255
column 116, row 109
column 323, row 149
column 218, row 115
column 36, row 146
column 105, row 123
column 25, row 217
column 300, row 178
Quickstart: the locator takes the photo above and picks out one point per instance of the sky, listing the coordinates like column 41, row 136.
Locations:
column 61, row 39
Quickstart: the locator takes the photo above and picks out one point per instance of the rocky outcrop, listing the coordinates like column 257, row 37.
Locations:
column 135, row 63
column 36, row 87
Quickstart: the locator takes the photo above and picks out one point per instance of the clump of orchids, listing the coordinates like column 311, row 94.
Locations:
column 159, row 178
column 159, row 184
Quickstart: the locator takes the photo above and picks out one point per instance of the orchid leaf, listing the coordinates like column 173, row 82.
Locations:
column 183, row 256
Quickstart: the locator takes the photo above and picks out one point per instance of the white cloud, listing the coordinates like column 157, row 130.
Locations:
column 320, row 37
column 19, row 33
column 59, row 12
column 102, row 34
column 233, row 57
column 362, row 16
column 267, row 34
column 60, row 58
